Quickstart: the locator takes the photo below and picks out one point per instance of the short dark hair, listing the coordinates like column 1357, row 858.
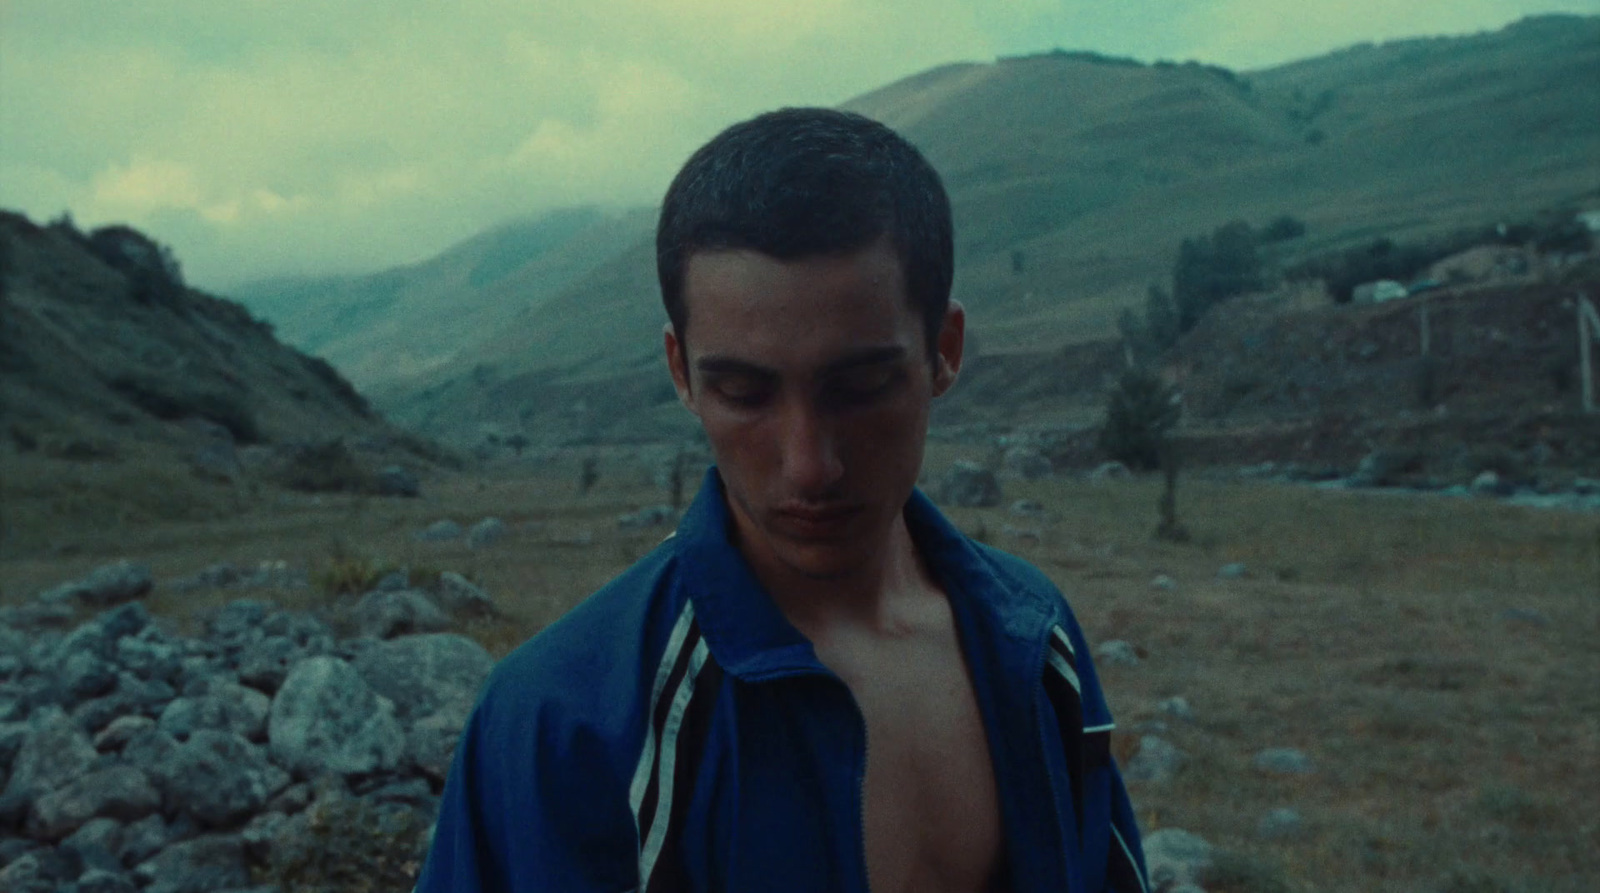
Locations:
column 802, row 182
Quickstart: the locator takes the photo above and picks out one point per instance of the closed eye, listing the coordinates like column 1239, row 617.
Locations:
column 741, row 390
column 860, row 386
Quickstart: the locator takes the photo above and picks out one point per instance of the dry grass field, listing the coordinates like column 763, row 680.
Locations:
column 1456, row 745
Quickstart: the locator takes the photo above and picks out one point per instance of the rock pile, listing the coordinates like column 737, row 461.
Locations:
column 266, row 748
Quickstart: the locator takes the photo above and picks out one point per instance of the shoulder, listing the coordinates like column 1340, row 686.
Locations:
column 587, row 670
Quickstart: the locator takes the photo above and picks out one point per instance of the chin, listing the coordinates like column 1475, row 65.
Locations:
column 822, row 562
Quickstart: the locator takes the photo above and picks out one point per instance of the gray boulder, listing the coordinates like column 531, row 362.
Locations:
column 383, row 615
column 107, row 585
column 219, row 778
column 143, row 839
column 325, row 718
column 202, row 865
column 425, row 675
column 431, row 744
column 122, row 730
column 969, row 485
column 95, row 845
column 55, row 753
column 463, row 598
column 12, row 735
column 101, row 880
column 227, row 706
column 36, row 871
column 117, row 792
column 84, row 674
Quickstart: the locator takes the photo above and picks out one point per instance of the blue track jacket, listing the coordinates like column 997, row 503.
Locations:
column 674, row 732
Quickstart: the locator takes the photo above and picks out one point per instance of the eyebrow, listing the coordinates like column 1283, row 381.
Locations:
column 869, row 356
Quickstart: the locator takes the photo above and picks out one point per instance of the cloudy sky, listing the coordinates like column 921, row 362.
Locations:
column 261, row 137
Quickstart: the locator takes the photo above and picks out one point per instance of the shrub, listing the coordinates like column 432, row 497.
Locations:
column 1282, row 229
column 327, row 467
column 1211, row 269
column 348, row 572
column 170, row 401
column 1140, row 410
column 350, row 845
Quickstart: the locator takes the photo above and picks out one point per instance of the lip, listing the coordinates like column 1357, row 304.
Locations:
column 816, row 522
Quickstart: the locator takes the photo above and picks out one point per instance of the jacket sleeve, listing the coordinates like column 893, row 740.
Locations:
column 1125, row 868
column 530, row 806
column 1106, row 809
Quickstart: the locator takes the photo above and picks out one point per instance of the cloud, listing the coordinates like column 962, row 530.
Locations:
column 258, row 137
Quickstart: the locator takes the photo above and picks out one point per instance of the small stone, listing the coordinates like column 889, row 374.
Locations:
column 1026, row 463
column 1027, row 508
column 1117, row 653
column 1110, row 471
column 969, row 485
column 394, row 581
column 107, row 585
column 1177, row 707
column 1284, row 761
column 1164, row 583
column 649, row 516
column 440, row 531
column 1235, row 571
column 396, row 480
column 1279, row 823
column 486, row 533
column 1524, row 615
column 1020, row 534
column 463, row 598
column 97, row 880
column 1174, row 858
column 1157, row 761
column 1488, row 483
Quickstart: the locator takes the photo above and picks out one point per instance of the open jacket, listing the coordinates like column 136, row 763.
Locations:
column 674, row 732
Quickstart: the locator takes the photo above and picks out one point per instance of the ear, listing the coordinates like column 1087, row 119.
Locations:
column 678, row 365
column 952, row 338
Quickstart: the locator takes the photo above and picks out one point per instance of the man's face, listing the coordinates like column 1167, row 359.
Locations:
column 812, row 380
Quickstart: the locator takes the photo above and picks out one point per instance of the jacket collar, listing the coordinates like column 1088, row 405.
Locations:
column 751, row 639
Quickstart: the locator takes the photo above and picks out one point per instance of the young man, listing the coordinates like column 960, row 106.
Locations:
column 817, row 684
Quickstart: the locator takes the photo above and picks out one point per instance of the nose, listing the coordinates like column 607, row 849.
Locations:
column 812, row 464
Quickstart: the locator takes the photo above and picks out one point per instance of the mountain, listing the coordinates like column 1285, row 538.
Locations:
column 106, row 355
column 1074, row 177
column 386, row 329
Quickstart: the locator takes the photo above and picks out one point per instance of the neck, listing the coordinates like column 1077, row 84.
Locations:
column 870, row 598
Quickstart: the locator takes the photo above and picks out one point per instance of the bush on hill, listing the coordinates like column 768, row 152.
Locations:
column 170, row 401
column 1140, row 411
column 1211, row 269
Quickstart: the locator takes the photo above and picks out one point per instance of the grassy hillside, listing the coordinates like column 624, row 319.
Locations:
column 1074, row 177
column 387, row 329
column 125, row 395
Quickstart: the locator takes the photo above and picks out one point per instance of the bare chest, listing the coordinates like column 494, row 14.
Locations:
column 931, row 811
